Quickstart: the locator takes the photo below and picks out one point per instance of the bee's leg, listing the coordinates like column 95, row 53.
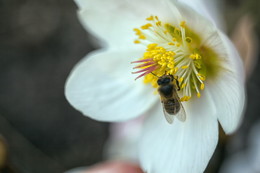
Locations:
column 177, row 83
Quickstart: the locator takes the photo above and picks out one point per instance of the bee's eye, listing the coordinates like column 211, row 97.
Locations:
column 159, row 82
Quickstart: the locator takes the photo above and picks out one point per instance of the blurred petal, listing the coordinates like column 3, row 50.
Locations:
column 228, row 91
column 245, row 39
column 246, row 161
column 109, row 167
column 102, row 87
column 239, row 163
column 113, row 21
column 115, row 167
column 3, row 152
column 182, row 146
column 123, row 140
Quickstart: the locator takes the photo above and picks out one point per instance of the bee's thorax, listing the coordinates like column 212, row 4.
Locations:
column 166, row 90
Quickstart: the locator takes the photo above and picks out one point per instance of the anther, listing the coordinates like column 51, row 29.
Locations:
column 137, row 41
column 182, row 24
column 202, row 86
column 150, row 18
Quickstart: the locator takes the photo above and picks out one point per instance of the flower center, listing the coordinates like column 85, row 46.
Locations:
column 173, row 50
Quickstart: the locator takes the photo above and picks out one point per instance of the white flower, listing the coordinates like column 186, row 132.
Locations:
column 176, row 40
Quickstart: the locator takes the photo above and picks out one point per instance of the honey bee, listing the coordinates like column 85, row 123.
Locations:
column 169, row 98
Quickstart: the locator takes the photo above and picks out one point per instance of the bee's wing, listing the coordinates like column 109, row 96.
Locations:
column 167, row 116
column 181, row 115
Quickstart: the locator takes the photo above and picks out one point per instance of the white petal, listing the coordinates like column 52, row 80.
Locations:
column 181, row 147
column 113, row 21
column 228, row 91
column 102, row 87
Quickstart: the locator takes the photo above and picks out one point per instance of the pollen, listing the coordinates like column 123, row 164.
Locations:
column 174, row 50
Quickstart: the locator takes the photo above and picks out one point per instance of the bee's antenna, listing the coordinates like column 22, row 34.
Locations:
column 154, row 74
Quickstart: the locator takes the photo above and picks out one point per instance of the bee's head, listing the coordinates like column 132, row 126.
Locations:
column 165, row 80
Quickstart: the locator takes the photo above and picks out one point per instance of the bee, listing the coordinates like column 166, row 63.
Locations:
column 169, row 98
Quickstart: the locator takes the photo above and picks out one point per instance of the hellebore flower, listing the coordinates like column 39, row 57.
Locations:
column 174, row 39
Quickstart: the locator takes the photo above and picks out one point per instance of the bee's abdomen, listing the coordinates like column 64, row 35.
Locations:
column 172, row 106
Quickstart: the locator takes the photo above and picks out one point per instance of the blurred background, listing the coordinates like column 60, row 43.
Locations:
column 40, row 42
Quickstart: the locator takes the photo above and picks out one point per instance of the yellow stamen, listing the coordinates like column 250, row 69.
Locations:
column 182, row 24
column 202, row 77
column 137, row 31
column 177, row 51
column 175, row 70
column 185, row 66
column 137, row 41
column 151, row 46
column 202, row 86
column 183, row 85
column 159, row 23
column 146, row 26
column 150, row 18
column 142, row 37
column 181, row 79
column 185, row 98
column 197, row 56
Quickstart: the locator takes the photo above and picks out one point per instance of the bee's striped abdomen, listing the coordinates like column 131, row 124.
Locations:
column 172, row 106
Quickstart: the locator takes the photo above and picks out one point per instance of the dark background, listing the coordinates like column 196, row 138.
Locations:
column 40, row 42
